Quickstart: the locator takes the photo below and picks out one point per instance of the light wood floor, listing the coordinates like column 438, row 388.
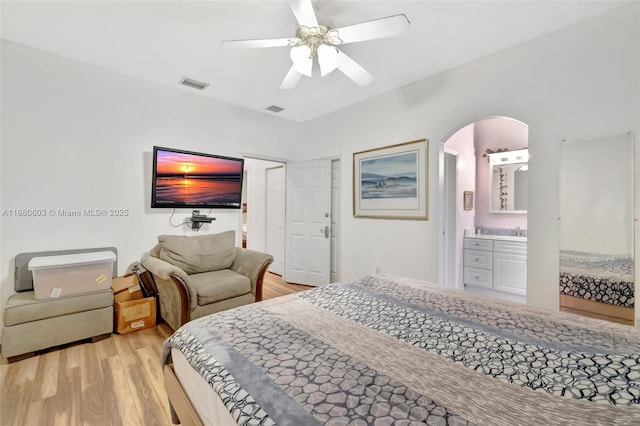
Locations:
column 274, row 287
column 116, row 381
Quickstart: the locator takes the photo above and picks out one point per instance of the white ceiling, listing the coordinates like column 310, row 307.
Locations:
column 162, row 41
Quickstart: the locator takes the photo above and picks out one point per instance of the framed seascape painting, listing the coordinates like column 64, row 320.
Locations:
column 392, row 182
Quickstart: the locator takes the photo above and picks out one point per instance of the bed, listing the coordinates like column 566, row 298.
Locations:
column 598, row 283
column 391, row 350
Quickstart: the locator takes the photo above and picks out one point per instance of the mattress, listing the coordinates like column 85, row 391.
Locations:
column 597, row 277
column 386, row 349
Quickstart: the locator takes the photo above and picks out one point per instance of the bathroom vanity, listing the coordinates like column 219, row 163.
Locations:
column 496, row 262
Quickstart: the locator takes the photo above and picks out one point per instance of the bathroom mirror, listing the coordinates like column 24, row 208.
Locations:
column 508, row 181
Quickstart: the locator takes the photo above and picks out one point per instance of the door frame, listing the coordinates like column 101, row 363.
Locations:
column 441, row 197
column 255, row 190
column 282, row 256
column 450, row 224
column 336, row 210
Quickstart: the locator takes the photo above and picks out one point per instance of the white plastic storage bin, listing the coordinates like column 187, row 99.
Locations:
column 71, row 274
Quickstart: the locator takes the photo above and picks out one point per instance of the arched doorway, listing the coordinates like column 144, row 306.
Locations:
column 465, row 191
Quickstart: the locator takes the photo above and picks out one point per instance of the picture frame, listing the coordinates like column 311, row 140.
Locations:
column 468, row 200
column 392, row 182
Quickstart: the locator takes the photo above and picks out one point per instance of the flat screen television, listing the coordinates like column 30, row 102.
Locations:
column 193, row 179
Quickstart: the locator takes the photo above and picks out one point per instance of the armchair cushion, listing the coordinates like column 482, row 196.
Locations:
column 219, row 285
column 200, row 253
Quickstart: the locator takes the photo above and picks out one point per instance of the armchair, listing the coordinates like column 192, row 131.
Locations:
column 199, row 275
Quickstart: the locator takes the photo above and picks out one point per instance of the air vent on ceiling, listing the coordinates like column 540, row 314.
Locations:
column 194, row 84
column 275, row 108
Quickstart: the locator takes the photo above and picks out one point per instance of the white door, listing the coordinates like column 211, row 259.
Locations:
column 275, row 217
column 308, row 222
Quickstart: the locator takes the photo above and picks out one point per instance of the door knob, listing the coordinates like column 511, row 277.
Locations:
column 326, row 231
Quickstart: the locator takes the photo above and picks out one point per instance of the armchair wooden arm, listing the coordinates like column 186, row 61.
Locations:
column 176, row 298
column 252, row 264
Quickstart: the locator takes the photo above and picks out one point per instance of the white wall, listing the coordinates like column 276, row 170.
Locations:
column 74, row 136
column 579, row 82
column 79, row 137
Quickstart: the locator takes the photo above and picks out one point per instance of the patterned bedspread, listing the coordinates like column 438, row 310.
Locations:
column 389, row 350
column 601, row 278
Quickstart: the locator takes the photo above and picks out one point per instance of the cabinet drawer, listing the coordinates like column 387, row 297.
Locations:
column 478, row 244
column 478, row 277
column 478, row 259
column 513, row 247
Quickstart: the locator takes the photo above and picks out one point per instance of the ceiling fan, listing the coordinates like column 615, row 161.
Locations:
column 314, row 40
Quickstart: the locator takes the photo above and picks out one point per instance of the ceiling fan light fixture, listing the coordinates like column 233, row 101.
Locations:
column 333, row 37
column 318, row 36
column 321, row 41
column 327, row 59
column 302, row 58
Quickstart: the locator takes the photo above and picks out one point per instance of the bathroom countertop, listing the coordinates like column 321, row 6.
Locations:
column 498, row 237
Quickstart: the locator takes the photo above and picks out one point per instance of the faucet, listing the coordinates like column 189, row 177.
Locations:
column 517, row 231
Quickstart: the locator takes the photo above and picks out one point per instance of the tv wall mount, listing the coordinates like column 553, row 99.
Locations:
column 198, row 219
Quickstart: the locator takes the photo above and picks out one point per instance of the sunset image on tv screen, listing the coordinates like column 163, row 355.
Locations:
column 192, row 179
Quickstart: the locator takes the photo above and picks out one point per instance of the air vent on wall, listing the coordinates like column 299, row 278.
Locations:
column 275, row 108
column 194, row 84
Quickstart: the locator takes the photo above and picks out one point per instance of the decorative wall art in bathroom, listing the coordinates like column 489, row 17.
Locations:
column 468, row 200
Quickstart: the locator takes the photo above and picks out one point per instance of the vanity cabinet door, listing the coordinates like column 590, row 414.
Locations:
column 510, row 273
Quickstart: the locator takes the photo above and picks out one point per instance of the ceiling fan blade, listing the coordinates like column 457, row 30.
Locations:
column 327, row 59
column 378, row 28
column 268, row 42
column 302, row 59
column 291, row 79
column 305, row 15
column 353, row 70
